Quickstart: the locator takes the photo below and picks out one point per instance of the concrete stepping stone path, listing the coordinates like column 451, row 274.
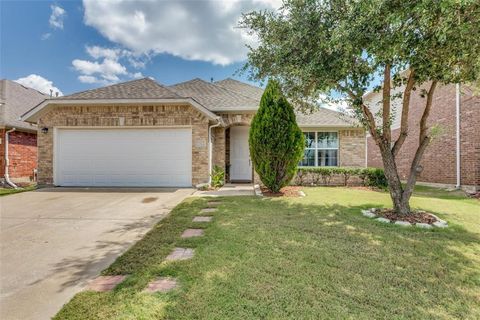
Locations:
column 209, row 210
column 180, row 254
column 105, row 283
column 213, row 203
column 162, row 284
column 189, row 233
column 202, row 219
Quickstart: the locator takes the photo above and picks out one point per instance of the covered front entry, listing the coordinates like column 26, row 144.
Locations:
column 240, row 165
column 133, row 157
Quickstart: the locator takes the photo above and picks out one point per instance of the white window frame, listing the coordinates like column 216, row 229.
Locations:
column 316, row 148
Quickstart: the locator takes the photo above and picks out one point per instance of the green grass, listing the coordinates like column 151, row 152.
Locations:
column 305, row 258
column 8, row 191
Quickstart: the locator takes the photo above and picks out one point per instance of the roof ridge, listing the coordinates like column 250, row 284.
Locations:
column 112, row 85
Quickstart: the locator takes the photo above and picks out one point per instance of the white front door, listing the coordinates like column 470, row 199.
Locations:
column 240, row 164
column 123, row 157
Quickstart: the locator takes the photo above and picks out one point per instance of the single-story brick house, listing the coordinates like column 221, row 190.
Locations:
column 453, row 157
column 18, row 139
column 141, row 133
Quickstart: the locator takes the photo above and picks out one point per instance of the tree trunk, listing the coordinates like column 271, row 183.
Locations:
column 400, row 199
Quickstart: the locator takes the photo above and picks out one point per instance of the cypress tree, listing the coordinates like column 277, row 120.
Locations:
column 276, row 141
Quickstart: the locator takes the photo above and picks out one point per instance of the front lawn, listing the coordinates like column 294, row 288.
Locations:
column 305, row 258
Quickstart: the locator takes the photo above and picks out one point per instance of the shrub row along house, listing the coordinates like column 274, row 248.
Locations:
column 453, row 157
column 141, row 133
column 18, row 139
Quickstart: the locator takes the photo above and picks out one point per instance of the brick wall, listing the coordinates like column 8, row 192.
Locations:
column 352, row 148
column 22, row 150
column 125, row 116
column 439, row 161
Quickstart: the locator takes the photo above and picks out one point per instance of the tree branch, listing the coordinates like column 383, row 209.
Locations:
column 426, row 112
column 387, row 85
column 405, row 110
column 424, row 140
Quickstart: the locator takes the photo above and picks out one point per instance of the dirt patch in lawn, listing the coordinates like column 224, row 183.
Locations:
column 290, row 191
column 414, row 217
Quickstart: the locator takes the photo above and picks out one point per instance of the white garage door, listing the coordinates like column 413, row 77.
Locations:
column 123, row 157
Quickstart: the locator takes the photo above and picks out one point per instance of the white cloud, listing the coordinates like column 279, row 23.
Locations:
column 57, row 17
column 194, row 30
column 45, row 36
column 106, row 67
column 39, row 83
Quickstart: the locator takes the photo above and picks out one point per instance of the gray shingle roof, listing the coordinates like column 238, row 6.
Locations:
column 136, row 89
column 320, row 117
column 213, row 96
column 16, row 99
column 241, row 88
column 325, row 117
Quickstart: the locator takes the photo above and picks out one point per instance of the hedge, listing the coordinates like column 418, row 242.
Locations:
column 372, row 177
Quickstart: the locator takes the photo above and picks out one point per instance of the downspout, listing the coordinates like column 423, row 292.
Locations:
column 457, row 111
column 7, row 161
column 210, row 149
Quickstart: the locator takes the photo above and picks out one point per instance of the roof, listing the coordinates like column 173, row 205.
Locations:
column 16, row 99
column 241, row 88
column 215, row 97
column 323, row 117
column 144, row 88
column 320, row 117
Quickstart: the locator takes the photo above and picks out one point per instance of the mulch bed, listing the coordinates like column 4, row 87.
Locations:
column 415, row 217
column 290, row 191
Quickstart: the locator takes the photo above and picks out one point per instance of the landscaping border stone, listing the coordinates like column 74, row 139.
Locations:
column 372, row 213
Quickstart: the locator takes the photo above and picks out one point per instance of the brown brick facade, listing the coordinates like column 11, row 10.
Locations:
column 439, row 161
column 125, row 116
column 22, row 151
column 352, row 148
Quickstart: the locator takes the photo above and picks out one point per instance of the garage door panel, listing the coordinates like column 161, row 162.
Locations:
column 123, row 157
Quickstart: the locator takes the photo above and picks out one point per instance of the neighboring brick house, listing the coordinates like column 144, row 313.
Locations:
column 439, row 161
column 141, row 133
column 16, row 99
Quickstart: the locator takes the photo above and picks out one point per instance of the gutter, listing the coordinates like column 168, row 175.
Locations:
column 7, row 161
column 457, row 113
column 210, row 148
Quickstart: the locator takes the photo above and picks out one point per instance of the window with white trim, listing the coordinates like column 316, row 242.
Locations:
column 321, row 149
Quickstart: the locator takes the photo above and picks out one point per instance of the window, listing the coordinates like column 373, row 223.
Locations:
column 321, row 149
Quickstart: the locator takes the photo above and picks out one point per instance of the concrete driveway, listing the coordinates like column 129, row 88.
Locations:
column 53, row 241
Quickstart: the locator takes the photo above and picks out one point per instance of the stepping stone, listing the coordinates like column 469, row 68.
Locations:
column 208, row 210
column 202, row 219
column 161, row 285
column 105, row 283
column 180, row 254
column 213, row 203
column 189, row 233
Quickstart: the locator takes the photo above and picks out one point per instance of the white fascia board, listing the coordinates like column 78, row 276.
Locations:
column 32, row 114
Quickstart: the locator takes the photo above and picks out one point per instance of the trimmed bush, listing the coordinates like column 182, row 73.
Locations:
column 276, row 141
column 371, row 177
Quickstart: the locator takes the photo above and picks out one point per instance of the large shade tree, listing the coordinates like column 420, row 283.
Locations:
column 348, row 47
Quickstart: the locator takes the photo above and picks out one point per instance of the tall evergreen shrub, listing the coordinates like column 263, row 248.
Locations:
column 276, row 141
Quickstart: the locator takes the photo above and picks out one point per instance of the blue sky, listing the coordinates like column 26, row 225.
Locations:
column 77, row 45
